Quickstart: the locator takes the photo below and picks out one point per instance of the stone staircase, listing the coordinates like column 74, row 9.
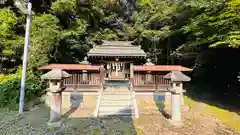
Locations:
column 116, row 100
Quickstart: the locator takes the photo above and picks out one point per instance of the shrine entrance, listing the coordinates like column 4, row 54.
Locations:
column 117, row 70
column 116, row 57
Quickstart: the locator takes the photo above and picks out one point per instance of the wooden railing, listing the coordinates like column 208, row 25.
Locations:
column 150, row 81
column 92, row 82
column 79, row 81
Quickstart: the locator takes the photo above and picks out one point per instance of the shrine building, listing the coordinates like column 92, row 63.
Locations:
column 113, row 77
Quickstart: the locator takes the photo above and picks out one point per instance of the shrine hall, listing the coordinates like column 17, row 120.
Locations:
column 113, row 76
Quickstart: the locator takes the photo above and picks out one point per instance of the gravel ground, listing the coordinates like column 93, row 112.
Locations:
column 151, row 122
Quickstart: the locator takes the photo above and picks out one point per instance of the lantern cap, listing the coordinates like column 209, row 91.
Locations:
column 177, row 76
column 55, row 74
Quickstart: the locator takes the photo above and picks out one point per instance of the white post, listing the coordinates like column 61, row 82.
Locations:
column 25, row 59
column 176, row 112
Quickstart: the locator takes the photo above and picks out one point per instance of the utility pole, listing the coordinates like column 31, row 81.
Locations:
column 25, row 58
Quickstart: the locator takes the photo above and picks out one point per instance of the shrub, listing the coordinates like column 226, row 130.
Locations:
column 10, row 88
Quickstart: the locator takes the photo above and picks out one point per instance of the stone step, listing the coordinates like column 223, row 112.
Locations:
column 116, row 98
column 112, row 110
column 117, row 90
column 116, row 93
column 115, row 114
column 115, row 102
column 128, row 95
column 116, row 105
column 125, row 89
column 120, row 102
column 103, row 106
column 116, row 111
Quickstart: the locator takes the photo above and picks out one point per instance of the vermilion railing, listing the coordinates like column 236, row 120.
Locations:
column 150, row 81
column 93, row 80
column 78, row 80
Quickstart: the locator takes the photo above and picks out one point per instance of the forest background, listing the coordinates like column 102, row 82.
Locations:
column 200, row 34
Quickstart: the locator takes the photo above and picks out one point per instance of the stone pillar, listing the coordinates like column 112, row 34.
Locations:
column 176, row 111
column 55, row 112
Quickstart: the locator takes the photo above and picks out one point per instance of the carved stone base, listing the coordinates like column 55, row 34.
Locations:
column 54, row 124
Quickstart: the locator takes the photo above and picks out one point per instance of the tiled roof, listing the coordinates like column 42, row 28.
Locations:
column 161, row 68
column 177, row 76
column 117, row 48
column 70, row 67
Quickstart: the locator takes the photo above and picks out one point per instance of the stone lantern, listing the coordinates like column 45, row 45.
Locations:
column 56, row 86
column 148, row 75
column 176, row 89
column 84, row 72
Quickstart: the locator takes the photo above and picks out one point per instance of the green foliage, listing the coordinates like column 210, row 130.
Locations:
column 64, row 6
column 7, row 21
column 230, row 20
column 10, row 86
column 62, row 31
column 8, row 38
column 76, row 29
column 45, row 35
column 216, row 27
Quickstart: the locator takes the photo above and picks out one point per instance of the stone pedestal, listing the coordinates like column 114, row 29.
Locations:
column 176, row 111
column 55, row 112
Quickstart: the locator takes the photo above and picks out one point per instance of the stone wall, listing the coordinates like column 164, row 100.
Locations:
column 81, row 100
column 157, row 97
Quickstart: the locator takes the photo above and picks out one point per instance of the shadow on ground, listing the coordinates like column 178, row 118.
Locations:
column 224, row 97
column 159, row 101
